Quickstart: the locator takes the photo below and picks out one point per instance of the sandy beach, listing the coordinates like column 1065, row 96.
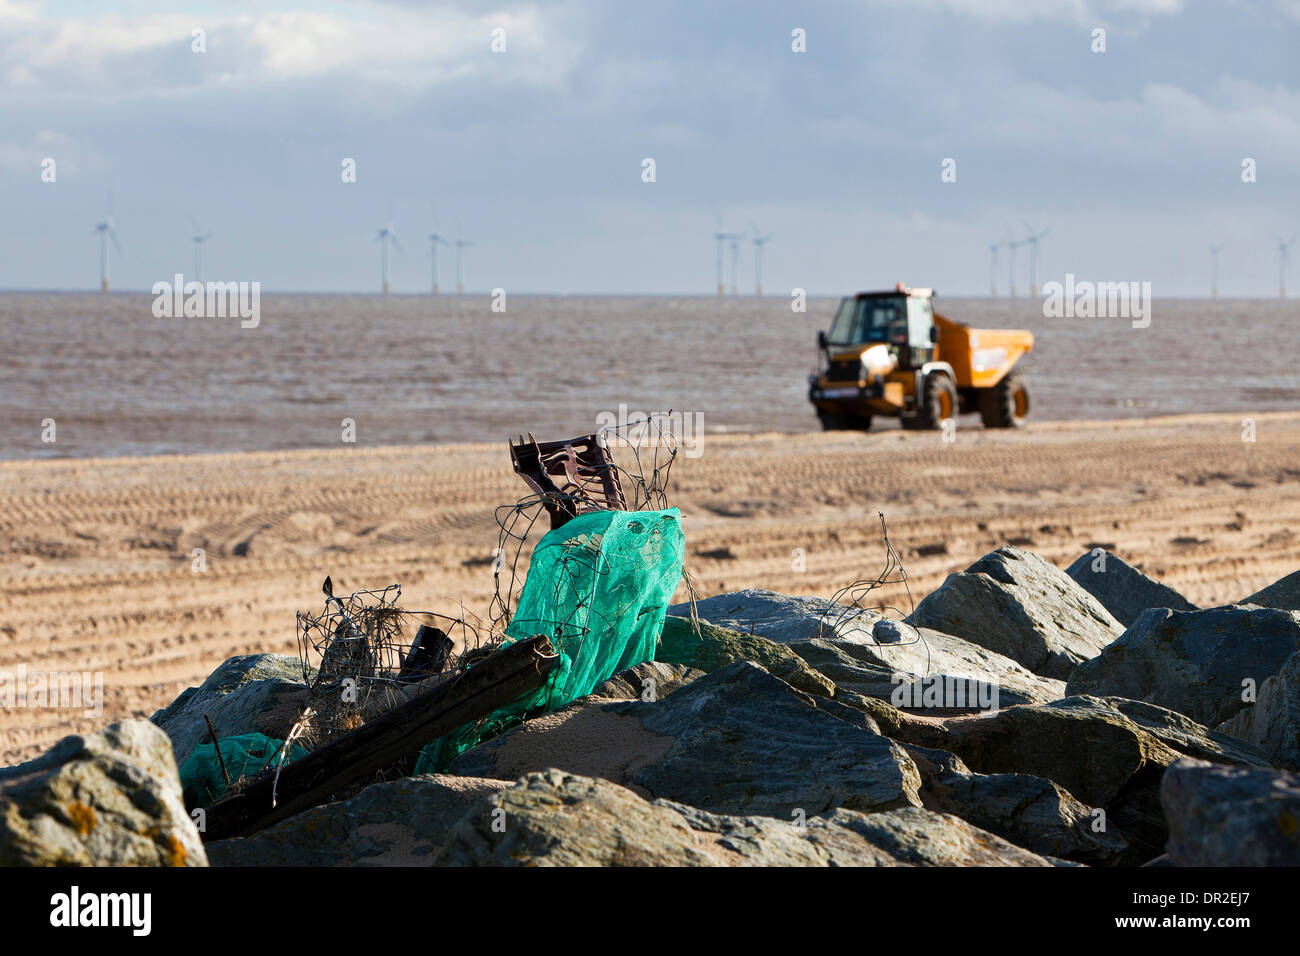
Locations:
column 97, row 574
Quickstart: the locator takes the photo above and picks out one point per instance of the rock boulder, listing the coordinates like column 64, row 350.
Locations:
column 1121, row 588
column 554, row 818
column 1021, row 606
column 111, row 798
column 1194, row 662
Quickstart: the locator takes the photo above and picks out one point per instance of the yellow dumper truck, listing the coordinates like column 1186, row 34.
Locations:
column 890, row 353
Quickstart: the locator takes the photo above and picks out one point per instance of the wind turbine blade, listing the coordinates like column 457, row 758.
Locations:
column 396, row 245
column 112, row 234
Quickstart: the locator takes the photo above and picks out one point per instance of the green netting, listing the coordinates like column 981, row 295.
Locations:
column 598, row 587
column 244, row 756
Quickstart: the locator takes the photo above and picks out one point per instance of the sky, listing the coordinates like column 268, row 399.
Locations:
column 1131, row 158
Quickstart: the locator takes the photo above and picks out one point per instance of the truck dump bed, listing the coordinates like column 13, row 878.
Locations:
column 980, row 357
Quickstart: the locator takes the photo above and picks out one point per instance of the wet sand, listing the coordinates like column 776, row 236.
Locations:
column 411, row 370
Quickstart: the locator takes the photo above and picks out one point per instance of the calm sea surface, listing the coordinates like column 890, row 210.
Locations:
column 118, row 381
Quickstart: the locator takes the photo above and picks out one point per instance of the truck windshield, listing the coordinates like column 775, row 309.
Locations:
column 866, row 320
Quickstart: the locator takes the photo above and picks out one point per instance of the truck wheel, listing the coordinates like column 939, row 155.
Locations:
column 844, row 423
column 939, row 401
column 1006, row 404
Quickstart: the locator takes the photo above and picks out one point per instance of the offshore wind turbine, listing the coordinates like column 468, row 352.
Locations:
column 435, row 240
column 759, row 242
column 1032, row 241
column 735, row 262
column 993, row 268
column 1214, row 268
column 106, row 234
column 460, row 264
column 1283, row 260
column 384, row 236
column 1012, row 245
column 721, row 238
column 199, row 238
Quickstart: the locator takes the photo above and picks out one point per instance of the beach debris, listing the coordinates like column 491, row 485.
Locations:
column 358, row 662
column 588, row 479
column 853, row 612
column 428, row 654
column 500, row 678
column 598, row 586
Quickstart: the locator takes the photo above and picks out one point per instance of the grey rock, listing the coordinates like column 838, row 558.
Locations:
column 1099, row 753
column 1029, row 811
column 111, row 798
column 1283, row 594
column 888, row 631
column 1193, row 662
column 889, row 671
column 1272, row 723
column 255, row 692
column 651, row 680
column 399, row 823
column 1231, row 816
column 707, row 647
column 1121, row 588
column 780, row 617
column 1023, row 607
column 554, row 818
column 736, row 741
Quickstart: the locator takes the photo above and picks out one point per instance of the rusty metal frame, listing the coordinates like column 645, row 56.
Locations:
column 586, row 475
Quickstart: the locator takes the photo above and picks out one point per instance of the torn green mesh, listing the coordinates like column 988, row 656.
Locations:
column 598, row 587
column 244, row 755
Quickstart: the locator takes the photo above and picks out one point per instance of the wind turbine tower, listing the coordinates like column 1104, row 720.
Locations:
column 1012, row 245
column 1283, row 260
column 1032, row 241
column 759, row 242
column 386, row 235
column 721, row 238
column 436, row 240
column 106, row 234
column 993, row 268
column 735, row 262
column 460, row 264
column 199, row 237
column 1214, row 269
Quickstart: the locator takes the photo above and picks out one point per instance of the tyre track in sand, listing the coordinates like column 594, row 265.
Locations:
column 96, row 557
